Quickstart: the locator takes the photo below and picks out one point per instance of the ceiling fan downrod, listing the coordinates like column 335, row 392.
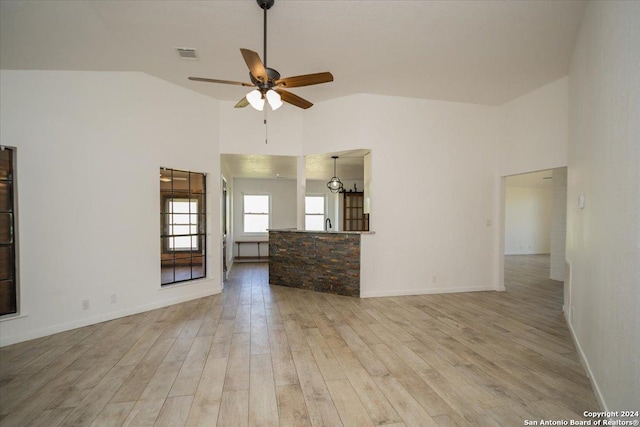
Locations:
column 265, row 5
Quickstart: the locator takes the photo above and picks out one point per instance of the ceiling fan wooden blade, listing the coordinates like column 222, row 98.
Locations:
column 294, row 99
column 226, row 82
column 305, row 80
column 256, row 67
column 242, row 103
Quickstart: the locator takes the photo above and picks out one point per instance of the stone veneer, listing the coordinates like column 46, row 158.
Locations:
column 324, row 262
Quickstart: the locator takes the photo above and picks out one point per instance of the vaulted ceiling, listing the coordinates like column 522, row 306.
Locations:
column 485, row 52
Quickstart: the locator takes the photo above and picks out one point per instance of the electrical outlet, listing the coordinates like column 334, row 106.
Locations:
column 85, row 304
column 113, row 298
column 434, row 279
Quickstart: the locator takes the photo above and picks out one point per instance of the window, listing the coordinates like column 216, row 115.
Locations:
column 8, row 288
column 314, row 213
column 182, row 225
column 256, row 213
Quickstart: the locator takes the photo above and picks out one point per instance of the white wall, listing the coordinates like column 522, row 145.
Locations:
column 558, row 224
column 282, row 215
column 432, row 175
column 528, row 220
column 89, row 148
column 242, row 130
column 603, row 239
column 534, row 130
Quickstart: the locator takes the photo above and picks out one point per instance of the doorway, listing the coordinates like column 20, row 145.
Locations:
column 225, row 227
column 534, row 231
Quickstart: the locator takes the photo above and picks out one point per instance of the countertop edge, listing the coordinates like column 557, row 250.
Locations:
column 293, row 230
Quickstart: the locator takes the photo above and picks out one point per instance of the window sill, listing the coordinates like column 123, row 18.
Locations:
column 253, row 234
column 13, row 316
column 185, row 283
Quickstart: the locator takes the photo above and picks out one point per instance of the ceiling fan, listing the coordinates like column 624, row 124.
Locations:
column 267, row 81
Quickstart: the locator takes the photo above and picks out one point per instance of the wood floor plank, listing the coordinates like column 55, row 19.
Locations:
column 206, row 402
column 188, row 378
column 161, row 382
column 50, row 417
column 378, row 407
column 96, row 399
column 348, row 404
column 144, row 413
column 137, row 352
column 259, row 333
column 322, row 411
column 292, row 409
column 240, row 346
column 22, row 388
column 222, row 338
column 113, row 414
column 411, row 381
column 174, row 412
column 284, row 370
column 237, row 377
column 234, row 408
column 411, row 412
column 26, row 410
column 263, row 406
column 323, row 356
column 132, row 388
column 363, row 352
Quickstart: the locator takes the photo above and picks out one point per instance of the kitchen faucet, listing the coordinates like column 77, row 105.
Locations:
column 327, row 221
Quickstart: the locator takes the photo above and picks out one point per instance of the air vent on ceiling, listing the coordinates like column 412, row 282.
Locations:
column 187, row 53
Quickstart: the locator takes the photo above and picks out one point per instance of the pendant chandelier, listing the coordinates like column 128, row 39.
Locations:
column 334, row 184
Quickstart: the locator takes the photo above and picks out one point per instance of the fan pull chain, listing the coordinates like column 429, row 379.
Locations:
column 265, row 125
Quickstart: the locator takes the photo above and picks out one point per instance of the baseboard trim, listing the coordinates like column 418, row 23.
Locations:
column 585, row 364
column 406, row 292
column 62, row 327
column 527, row 253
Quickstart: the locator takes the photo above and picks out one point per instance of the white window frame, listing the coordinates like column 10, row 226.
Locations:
column 244, row 213
column 324, row 210
column 171, row 224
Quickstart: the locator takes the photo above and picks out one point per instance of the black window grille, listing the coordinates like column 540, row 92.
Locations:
column 8, row 287
column 183, row 225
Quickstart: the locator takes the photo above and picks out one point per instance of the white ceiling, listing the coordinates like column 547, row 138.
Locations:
column 486, row 52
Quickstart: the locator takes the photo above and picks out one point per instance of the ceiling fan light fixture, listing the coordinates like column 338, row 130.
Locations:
column 255, row 99
column 274, row 99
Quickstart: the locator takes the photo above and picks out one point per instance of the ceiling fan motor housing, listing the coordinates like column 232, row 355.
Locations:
column 272, row 76
column 265, row 4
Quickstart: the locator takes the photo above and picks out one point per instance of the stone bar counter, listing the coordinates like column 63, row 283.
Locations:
column 316, row 260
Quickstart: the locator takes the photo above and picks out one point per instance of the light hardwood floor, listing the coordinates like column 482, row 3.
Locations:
column 260, row 355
